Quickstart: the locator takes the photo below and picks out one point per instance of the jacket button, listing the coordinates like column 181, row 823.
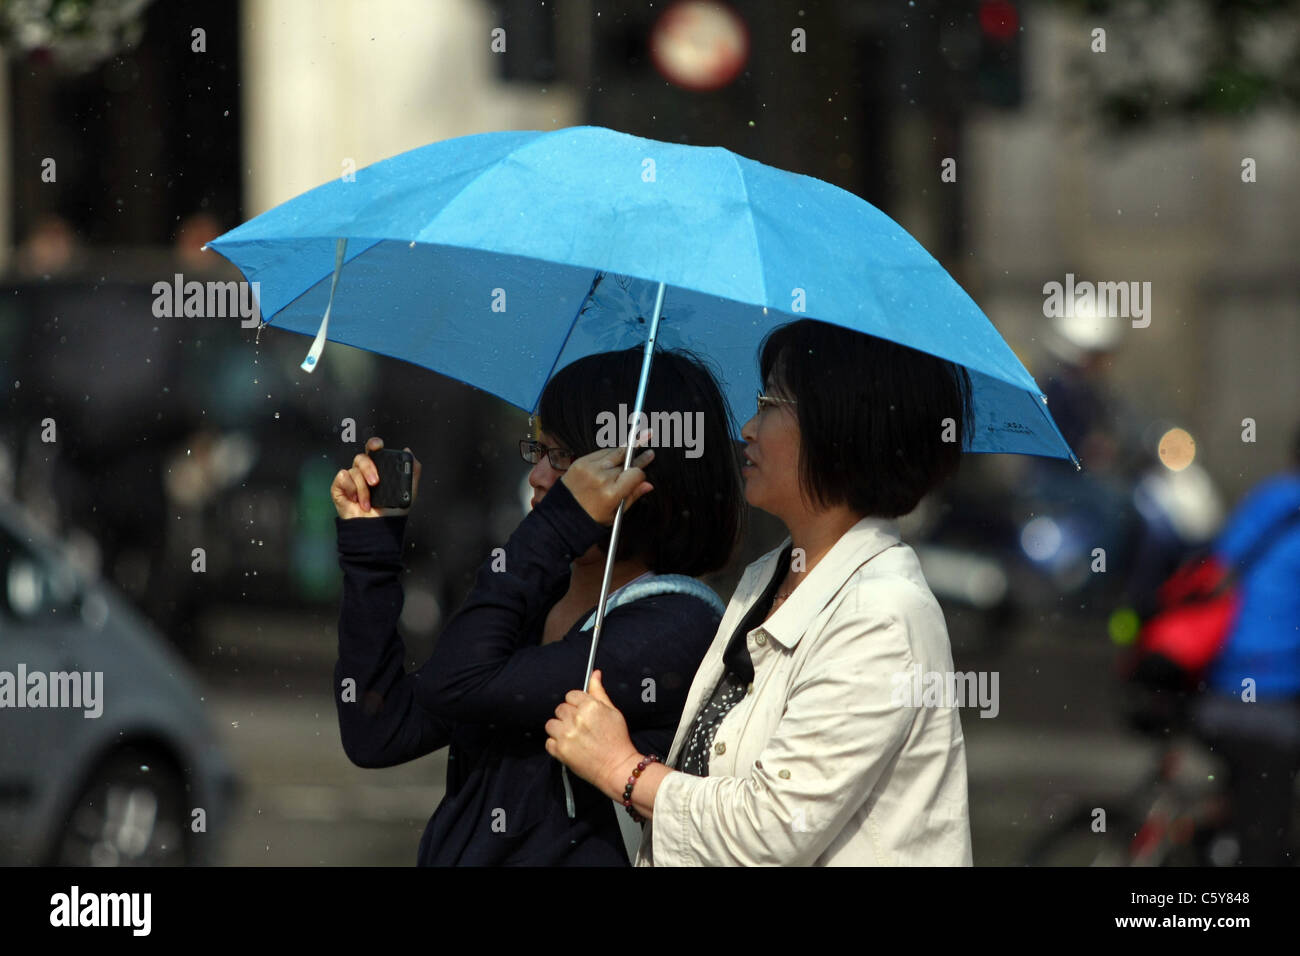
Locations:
column 761, row 638
column 783, row 774
column 719, row 748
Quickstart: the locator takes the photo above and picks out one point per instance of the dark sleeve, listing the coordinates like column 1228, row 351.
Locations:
column 649, row 652
column 383, row 725
column 488, row 668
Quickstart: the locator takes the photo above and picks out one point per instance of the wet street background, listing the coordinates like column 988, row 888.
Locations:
column 268, row 679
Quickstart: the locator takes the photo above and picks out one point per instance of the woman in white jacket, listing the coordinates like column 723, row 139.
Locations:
column 806, row 738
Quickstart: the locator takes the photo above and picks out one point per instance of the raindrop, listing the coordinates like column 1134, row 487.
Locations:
column 277, row 414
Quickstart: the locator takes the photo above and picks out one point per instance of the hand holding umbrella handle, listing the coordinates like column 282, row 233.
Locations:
column 600, row 483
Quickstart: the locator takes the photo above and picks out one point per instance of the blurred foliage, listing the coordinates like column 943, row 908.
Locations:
column 76, row 34
column 1190, row 58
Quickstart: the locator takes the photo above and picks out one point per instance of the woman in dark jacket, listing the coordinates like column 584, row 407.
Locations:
column 521, row 639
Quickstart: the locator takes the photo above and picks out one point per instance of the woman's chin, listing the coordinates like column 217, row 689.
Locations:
column 756, row 498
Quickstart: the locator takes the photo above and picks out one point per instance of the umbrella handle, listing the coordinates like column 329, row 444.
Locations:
column 568, row 792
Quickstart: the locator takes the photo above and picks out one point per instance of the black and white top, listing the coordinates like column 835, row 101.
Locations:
column 736, row 682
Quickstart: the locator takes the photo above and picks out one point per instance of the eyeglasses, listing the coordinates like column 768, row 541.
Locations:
column 532, row 450
column 770, row 401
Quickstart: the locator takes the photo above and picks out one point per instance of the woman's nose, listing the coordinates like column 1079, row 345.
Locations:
column 543, row 475
column 747, row 430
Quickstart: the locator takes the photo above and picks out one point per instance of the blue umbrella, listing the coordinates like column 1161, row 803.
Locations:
column 498, row 258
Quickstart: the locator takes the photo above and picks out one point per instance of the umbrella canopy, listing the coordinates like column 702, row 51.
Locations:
column 499, row 258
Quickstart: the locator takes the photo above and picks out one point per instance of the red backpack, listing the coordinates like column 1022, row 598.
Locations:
column 1197, row 606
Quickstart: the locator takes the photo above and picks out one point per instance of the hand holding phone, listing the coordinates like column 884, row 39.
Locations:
column 380, row 482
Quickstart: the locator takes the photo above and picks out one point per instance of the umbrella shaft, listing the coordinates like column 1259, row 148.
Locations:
column 604, row 595
column 646, row 358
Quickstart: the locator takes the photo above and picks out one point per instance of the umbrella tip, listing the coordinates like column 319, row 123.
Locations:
column 203, row 248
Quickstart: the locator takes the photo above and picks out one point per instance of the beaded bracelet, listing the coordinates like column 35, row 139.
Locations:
column 631, row 782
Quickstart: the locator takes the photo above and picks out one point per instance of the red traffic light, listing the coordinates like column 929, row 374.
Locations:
column 999, row 20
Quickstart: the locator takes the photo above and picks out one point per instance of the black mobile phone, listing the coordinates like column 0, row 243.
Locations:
column 396, row 473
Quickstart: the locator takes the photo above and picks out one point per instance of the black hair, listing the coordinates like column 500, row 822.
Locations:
column 691, row 523
column 873, row 415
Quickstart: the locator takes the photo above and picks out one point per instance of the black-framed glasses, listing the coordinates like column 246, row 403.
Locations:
column 531, row 450
column 771, row 401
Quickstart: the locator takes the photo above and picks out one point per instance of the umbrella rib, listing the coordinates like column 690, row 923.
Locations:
column 569, row 334
column 1041, row 405
column 460, row 192
column 753, row 231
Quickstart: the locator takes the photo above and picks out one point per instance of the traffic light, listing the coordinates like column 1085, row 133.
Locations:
column 998, row 80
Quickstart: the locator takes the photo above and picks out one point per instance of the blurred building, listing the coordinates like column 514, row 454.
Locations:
column 1052, row 193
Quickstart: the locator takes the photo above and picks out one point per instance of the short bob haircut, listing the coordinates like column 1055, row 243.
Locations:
column 691, row 522
column 873, row 415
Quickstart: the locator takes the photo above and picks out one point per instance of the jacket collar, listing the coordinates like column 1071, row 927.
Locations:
column 856, row 547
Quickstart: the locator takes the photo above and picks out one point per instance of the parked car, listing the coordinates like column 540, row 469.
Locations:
column 131, row 775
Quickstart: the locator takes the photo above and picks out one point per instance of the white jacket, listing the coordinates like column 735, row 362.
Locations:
column 823, row 763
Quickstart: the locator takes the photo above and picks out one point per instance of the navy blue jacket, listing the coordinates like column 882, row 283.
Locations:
column 490, row 687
